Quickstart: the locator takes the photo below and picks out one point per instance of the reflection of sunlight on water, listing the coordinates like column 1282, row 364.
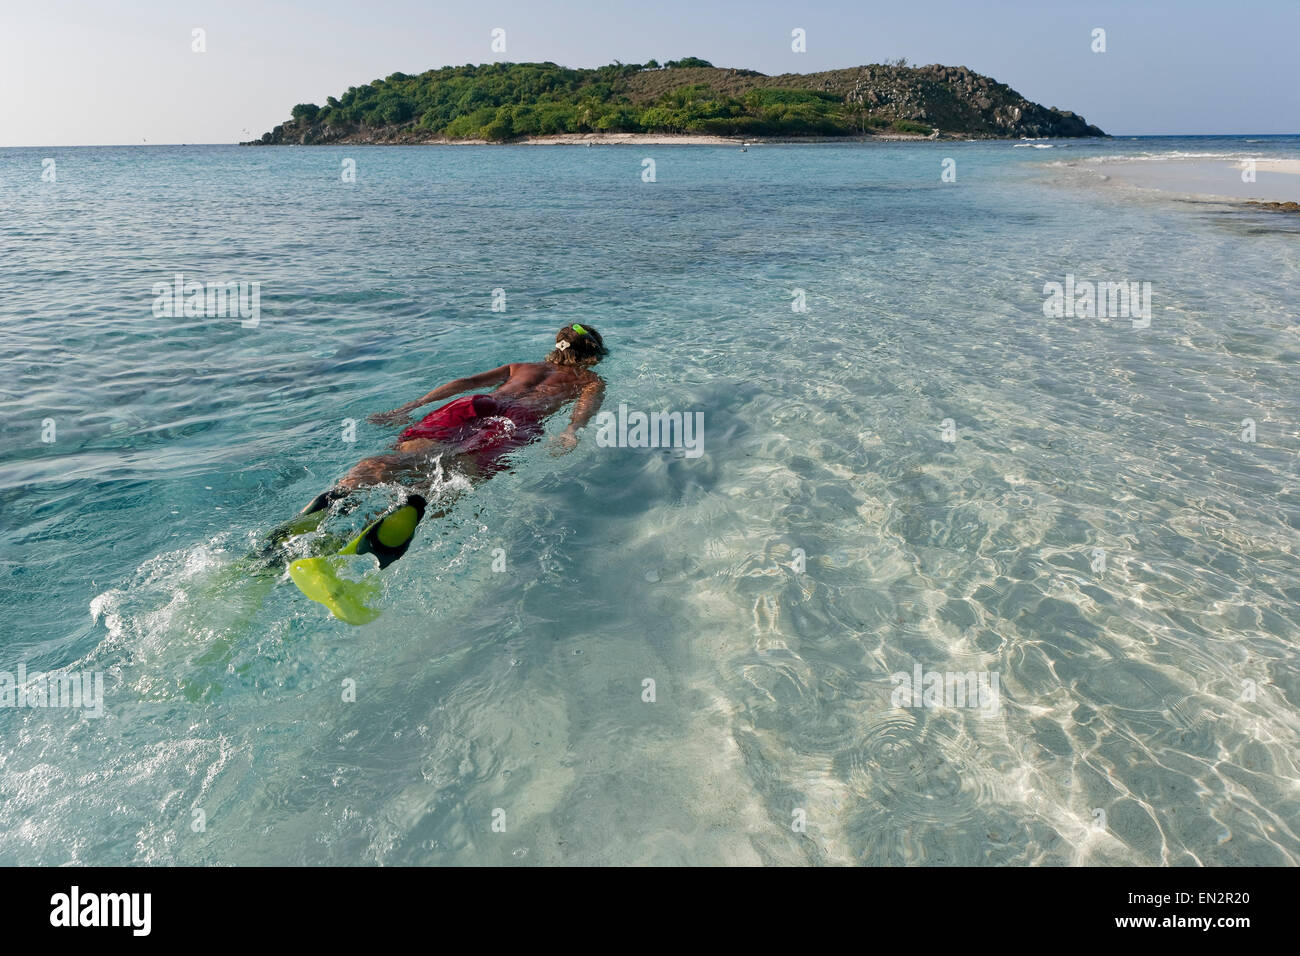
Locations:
column 967, row 571
column 827, row 539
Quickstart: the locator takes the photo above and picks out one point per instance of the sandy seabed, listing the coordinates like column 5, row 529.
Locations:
column 1274, row 180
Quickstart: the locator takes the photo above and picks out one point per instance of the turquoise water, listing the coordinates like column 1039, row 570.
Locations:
column 827, row 538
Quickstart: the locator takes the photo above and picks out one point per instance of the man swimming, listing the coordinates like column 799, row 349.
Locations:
column 470, row 434
column 473, row 433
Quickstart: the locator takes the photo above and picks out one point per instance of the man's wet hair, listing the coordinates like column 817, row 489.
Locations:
column 577, row 345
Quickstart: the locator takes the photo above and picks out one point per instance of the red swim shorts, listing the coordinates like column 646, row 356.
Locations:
column 478, row 425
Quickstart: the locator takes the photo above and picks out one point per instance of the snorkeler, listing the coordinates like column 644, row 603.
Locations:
column 478, row 429
column 474, row 433
column 471, row 434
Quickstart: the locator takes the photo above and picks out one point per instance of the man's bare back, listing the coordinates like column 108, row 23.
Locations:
column 545, row 386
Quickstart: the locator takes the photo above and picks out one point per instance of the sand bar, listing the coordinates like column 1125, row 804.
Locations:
column 1274, row 180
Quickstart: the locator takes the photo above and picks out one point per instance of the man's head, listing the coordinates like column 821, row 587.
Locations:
column 577, row 345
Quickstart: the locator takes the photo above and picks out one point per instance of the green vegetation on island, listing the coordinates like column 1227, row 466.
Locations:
column 500, row 102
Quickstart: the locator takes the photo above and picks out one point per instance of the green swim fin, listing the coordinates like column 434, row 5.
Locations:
column 387, row 539
column 318, row 578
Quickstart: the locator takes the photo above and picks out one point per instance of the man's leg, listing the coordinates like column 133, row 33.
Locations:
column 369, row 471
column 375, row 471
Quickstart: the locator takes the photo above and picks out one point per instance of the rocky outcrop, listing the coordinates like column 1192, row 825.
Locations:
column 952, row 99
column 1276, row 206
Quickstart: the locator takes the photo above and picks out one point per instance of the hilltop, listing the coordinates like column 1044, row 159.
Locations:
column 503, row 102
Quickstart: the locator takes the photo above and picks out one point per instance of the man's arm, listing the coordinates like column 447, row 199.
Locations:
column 482, row 380
column 586, row 406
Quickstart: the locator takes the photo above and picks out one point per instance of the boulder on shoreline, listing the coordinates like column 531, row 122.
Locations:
column 1275, row 206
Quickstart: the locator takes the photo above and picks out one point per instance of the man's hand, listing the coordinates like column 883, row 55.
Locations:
column 397, row 416
column 563, row 443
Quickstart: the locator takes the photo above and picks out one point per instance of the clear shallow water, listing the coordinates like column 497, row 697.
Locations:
column 179, row 441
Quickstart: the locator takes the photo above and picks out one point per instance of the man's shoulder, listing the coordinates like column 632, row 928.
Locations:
column 530, row 371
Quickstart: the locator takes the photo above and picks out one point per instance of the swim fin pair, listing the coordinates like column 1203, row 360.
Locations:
column 350, row 600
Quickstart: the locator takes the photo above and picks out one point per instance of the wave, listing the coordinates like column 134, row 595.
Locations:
column 1174, row 155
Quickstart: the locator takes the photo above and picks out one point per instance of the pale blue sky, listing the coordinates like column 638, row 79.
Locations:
column 83, row 72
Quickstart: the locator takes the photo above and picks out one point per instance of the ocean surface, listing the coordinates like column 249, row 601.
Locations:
column 685, row 660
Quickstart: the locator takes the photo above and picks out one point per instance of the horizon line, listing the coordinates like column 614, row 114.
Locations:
column 829, row 141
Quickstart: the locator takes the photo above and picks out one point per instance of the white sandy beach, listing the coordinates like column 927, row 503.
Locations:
column 1273, row 180
column 631, row 139
column 692, row 139
column 637, row 139
column 1289, row 166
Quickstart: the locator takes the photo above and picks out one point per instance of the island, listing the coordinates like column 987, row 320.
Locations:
column 680, row 100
